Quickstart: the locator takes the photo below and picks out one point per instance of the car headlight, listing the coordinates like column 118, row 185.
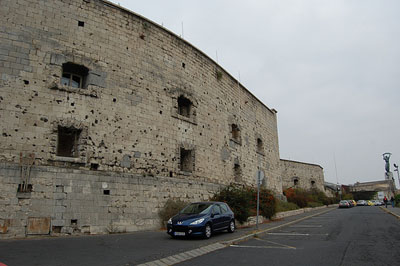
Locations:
column 199, row 221
column 169, row 221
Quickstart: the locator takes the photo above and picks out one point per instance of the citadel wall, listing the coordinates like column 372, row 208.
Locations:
column 302, row 175
column 99, row 98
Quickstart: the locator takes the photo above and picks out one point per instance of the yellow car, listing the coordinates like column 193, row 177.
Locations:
column 370, row 203
column 354, row 202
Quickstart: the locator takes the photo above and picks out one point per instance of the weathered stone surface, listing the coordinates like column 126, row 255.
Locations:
column 126, row 125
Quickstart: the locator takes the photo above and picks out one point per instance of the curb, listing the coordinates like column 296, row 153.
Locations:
column 389, row 212
column 181, row 257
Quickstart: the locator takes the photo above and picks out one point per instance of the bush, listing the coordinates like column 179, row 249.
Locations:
column 171, row 208
column 283, row 206
column 397, row 199
column 267, row 203
column 239, row 200
column 243, row 201
column 311, row 198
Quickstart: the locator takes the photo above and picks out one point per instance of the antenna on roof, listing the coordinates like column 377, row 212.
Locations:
column 182, row 31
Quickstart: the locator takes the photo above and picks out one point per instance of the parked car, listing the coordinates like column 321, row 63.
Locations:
column 344, row 204
column 369, row 203
column 377, row 202
column 202, row 219
column 361, row 203
column 353, row 202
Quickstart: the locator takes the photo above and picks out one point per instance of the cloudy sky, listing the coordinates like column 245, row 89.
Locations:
column 330, row 68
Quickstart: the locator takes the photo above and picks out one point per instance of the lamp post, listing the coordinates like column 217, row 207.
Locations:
column 396, row 169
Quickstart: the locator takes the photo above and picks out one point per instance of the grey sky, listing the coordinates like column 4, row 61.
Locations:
column 330, row 69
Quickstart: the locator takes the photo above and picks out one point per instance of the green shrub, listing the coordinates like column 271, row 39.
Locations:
column 239, row 200
column 304, row 198
column 283, row 206
column 243, row 201
column 267, row 202
column 171, row 208
column 397, row 200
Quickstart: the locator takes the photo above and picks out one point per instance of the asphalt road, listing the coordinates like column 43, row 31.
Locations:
column 356, row 236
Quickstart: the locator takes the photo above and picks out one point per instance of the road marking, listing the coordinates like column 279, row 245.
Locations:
column 296, row 234
column 263, row 247
column 305, row 226
column 219, row 245
column 277, row 245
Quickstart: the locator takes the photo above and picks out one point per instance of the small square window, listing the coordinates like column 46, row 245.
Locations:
column 68, row 141
column 74, row 75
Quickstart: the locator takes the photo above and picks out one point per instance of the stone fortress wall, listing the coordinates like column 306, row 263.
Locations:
column 104, row 115
column 302, row 175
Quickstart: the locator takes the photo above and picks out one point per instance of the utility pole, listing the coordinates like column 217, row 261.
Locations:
column 396, row 169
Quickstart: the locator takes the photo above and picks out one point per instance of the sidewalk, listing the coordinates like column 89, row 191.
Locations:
column 239, row 236
column 393, row 211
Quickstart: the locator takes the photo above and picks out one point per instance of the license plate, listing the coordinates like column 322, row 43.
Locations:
column 179, row 233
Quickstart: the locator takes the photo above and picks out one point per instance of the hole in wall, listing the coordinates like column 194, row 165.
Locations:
column 74, row 221
column 94, row 166
column 81, row 23
column 106, row 192
column 56, row 229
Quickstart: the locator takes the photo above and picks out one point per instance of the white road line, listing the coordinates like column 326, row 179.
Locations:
column 287, row 234
column 296, row 234
column 265, row 247
column 305, row 226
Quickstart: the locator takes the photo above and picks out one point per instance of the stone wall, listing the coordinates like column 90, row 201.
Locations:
column 83, row 201
column 302, row 175
column 148, row 106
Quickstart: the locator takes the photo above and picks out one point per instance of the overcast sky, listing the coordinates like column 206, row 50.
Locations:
column 330, row 68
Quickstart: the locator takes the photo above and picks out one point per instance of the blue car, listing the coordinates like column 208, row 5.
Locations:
column 202, row 219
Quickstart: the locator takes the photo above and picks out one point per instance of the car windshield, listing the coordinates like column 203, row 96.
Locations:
column 197, row 208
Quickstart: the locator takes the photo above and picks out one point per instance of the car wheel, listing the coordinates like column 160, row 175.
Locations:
column 207, row 231
column 231, row 227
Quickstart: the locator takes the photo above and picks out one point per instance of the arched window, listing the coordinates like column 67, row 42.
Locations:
column 295, row 182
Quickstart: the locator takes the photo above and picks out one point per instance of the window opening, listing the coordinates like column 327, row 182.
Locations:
column 184, row 106
column 68, row 140
column 260, row 145
column 74, row 75
column 312, row 183
column 186, row 160
column 106, row 192
column 237, row 172
column 296, row 182
column 235, row 132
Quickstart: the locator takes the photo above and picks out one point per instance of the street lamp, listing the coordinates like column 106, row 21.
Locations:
column 396, row 169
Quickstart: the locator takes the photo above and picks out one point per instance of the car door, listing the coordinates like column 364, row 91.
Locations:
column 216, row 217
column 225, row 216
